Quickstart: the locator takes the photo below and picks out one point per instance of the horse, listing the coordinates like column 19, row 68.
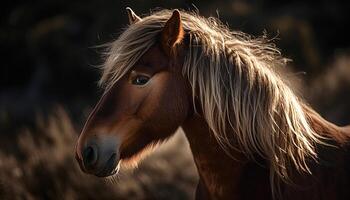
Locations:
column 250, row 135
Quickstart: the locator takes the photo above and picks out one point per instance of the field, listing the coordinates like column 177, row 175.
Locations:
column 41, row 165
column 48, row 87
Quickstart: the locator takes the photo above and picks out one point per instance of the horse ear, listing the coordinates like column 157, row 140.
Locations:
column 172, row 33
column 133, row 18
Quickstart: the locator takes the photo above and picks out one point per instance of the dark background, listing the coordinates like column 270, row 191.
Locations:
column 48, row 79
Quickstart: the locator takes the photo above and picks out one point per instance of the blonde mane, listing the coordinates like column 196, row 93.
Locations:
column 234, row 78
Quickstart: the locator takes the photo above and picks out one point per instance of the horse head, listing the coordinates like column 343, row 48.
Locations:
column 142, row 108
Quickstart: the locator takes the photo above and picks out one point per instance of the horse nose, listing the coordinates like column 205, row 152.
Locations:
column 90, row 156
column 99, row 156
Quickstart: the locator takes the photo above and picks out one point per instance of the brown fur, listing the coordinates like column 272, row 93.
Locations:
column 144, row 116
column 222, row 177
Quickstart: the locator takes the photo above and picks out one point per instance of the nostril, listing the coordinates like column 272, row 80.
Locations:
column 90, row 156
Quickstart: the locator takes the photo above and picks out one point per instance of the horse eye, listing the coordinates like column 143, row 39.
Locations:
column 140, row 80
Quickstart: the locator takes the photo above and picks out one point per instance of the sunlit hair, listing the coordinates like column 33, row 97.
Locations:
column 245, row 102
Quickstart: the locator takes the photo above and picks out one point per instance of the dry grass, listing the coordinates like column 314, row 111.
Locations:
column 42, row 166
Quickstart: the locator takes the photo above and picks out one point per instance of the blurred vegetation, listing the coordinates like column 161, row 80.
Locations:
column 41, row 165
column 49, row 57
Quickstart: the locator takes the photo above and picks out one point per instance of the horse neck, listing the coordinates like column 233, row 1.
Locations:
column 219, row 173
column 340, row 135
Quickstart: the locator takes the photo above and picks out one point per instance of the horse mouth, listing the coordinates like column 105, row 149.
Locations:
column 110, row 167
